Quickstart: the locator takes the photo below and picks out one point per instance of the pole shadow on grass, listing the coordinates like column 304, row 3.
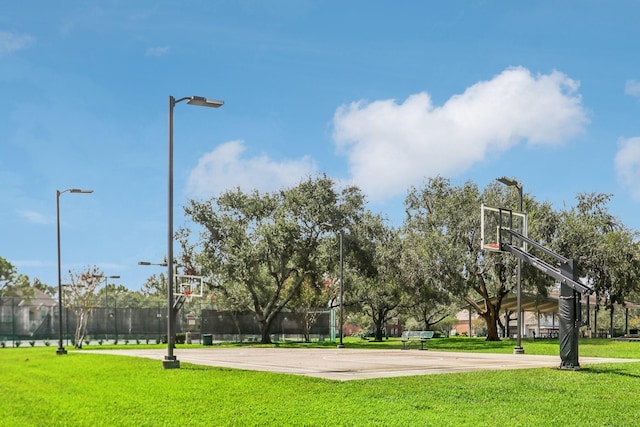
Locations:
column 605, row 370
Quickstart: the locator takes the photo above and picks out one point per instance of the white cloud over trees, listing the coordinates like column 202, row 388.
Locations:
column 224, row 168
column 627, row 164
column 391, row 146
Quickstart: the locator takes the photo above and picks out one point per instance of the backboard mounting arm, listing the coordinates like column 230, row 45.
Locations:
column 536, row 245
column 547, row 268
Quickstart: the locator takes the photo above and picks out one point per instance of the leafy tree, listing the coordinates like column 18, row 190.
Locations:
column 232, row 298
column 310, row 301
column 13, row 284
column 114, row 296
column 7, row 272
column 447, row 219
column 426, row 264
column 155, row 287
column 607, row 252
column 49, row 290
column 375, row 250
column 268, row 243
column 80, row 294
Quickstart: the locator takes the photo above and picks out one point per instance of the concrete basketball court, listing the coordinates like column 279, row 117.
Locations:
column 354, row 364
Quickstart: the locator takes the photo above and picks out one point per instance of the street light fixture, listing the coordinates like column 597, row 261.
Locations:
column 170, row 360
column 106, row 301
column 341, row 345
column 518, row 348
column 106, row 283
column 61, row 349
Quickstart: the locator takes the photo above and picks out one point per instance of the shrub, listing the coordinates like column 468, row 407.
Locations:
column 47, row 343
column 3, row 343
column 180, row 338
column 32, row 343
column 17, row 343
column 100, row 342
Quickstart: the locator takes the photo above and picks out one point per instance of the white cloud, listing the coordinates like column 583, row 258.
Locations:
column 34, row 217
column 632, row 88
column 391, row 146
column 12, row 42
column 627, row 164
column 31, row 263
column 157, row 51
column 223, row 169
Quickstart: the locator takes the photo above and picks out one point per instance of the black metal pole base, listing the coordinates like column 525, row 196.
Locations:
column 61, row 351
column 564, row 366
column 170, row 362
column 518, row 350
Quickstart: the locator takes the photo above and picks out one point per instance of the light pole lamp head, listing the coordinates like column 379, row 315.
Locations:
column 510, row 182
column 162, row 264
column 106, row 277
column 201, row 101
column 73, row 190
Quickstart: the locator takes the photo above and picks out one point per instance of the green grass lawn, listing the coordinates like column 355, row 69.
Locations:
column 40, row 388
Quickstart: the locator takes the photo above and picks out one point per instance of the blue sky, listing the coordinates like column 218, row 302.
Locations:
column 380, row 94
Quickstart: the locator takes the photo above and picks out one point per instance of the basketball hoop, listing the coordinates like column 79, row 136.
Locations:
column 188, row 295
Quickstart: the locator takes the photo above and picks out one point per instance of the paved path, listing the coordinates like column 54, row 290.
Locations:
column 352, row 364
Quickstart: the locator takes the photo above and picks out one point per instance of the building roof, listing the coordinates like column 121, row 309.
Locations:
column 540, row 304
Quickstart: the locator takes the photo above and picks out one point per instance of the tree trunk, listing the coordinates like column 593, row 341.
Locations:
column 491, row 318
column 264, row 331
column 379, row 325
column 81, row 328
column 306, row 327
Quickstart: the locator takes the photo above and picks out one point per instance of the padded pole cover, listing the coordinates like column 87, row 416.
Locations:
column 568, row 321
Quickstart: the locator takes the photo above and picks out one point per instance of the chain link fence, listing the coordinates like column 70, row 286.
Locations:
column 36, row 321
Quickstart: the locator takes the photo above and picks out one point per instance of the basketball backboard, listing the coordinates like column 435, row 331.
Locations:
column 493, row 222
column 189, row 286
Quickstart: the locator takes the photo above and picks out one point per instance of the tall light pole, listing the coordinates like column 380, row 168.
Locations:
column 518, row 348
column 106, row 301
column 170, row 360
column 341, row 345
column 61, row 349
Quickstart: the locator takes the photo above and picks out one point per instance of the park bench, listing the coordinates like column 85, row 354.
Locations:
column 410, row 338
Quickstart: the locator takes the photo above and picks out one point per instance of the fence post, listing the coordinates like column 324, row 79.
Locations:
column 13, row 322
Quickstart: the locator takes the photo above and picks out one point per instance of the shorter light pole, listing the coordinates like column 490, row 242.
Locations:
column 106, row 289
column 61, row 349
column 158, row 315
column 518, row 348
column 341, row 345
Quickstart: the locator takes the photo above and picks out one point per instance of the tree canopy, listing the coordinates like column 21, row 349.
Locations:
column 268, row 245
